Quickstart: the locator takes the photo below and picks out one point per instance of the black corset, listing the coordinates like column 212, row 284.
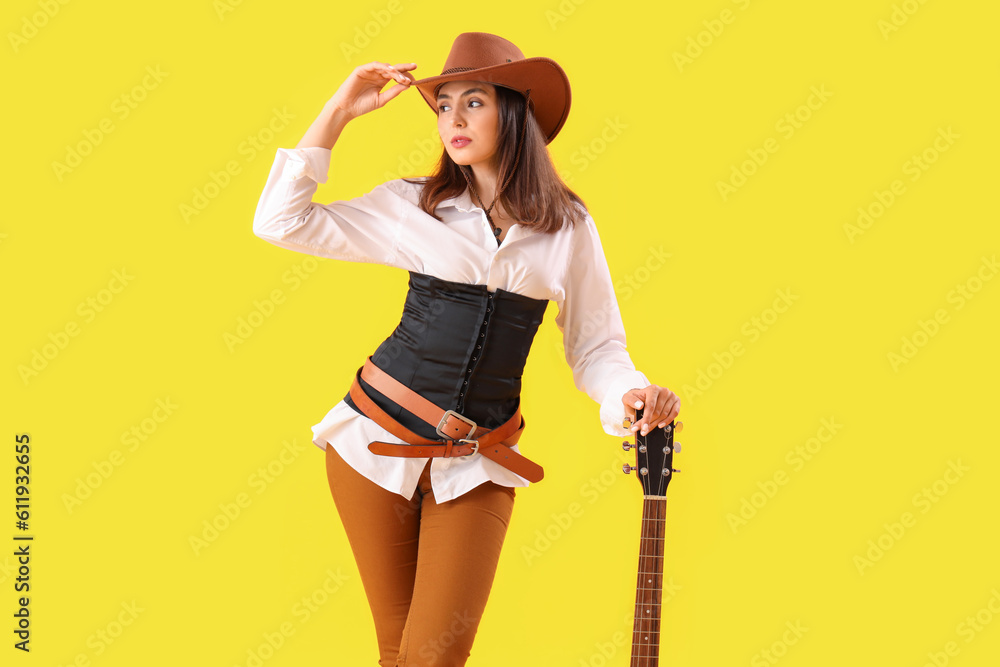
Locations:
column 461, row 347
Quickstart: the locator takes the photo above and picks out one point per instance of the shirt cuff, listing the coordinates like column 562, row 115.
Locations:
column 310, row 162
column 612, row 409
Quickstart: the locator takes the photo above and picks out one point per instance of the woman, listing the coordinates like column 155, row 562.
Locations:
column 422, row 449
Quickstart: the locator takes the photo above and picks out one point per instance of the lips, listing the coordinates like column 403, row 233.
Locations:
column 458, row 141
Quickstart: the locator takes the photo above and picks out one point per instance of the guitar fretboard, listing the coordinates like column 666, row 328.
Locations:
column 649, row 585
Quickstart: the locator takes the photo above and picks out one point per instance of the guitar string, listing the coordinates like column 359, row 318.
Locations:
column 653, row 571
column 638, row 617
column 640, row 640
column 648, row 627
column 654, row 533
column 640, row 629
column 651, row 534
column 656, row 578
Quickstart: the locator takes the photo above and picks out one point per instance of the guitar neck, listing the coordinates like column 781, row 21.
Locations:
column 649, row 584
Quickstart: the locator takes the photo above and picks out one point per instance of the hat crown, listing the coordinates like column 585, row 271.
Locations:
column 475, row 50
column 481, row 56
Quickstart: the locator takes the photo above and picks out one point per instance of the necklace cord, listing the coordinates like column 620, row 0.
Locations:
column 517, row 159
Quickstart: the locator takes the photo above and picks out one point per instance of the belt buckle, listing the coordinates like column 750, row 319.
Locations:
column 467, row 441
column 463, row 418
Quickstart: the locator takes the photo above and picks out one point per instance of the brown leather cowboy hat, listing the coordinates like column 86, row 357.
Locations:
column 480, row 56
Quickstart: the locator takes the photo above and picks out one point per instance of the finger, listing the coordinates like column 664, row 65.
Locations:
column 663, row 409
column 374, row 67
column 390, row 72
column 673, row 408
column 670, row 409
column 637, row 404
column 405, row 67
column 650, row 411
column 392, row 92
column 632, row 399
column 383, row 72
column 660, row 414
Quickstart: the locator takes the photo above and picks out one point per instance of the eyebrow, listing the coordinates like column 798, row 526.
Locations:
column 469, row 91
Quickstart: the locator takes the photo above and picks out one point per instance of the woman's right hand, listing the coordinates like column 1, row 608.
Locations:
column 361, row 92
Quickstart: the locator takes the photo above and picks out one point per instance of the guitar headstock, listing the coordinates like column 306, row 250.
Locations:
column 654, row 456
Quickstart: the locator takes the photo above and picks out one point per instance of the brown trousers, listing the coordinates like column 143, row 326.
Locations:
column 427, row 602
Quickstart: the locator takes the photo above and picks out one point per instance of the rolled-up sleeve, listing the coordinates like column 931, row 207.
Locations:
column 363, row 229
column 593, row 333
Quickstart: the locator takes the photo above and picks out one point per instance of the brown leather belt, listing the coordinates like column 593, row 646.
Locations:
column 461, row 436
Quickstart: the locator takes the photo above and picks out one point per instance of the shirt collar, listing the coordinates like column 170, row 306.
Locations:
column 463, row 201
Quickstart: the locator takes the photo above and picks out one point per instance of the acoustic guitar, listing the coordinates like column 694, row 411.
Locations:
column 654, row 456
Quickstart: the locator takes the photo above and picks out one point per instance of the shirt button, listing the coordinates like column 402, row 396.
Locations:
column 465, row 382
column 482, row 335
column 478, row 346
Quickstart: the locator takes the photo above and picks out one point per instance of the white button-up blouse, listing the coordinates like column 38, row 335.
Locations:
column 386, row 226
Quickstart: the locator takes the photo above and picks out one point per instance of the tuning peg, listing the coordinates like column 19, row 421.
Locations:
column 626, row 468
column 677, row 448
column 674, row 470
column 627, row 423
column 626, row 445
column 678, row 427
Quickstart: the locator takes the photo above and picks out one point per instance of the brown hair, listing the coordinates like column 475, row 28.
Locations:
column 536, row 196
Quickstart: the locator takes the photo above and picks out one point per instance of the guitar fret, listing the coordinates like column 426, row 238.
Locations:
column 654, row 452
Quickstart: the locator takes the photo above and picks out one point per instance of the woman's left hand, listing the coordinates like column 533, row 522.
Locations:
column 659, row 407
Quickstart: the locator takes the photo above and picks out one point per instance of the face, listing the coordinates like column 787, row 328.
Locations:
column 468, row 122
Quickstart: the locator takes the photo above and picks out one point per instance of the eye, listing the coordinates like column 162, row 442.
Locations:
column 476, row 102
column 442, row 107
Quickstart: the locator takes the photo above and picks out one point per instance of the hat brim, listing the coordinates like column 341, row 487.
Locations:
column 550, row 91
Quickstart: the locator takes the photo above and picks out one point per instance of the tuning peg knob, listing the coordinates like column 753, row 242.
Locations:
column 677, row 448
column 626, row 468
column 678, row 427
column 674, row 470
column 626, row 423
column 626, row 445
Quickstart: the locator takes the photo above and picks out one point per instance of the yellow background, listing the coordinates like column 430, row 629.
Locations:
column 661, row 134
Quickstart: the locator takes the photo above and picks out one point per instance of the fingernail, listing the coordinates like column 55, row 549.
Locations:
column 638, row 404
column 663, row 424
